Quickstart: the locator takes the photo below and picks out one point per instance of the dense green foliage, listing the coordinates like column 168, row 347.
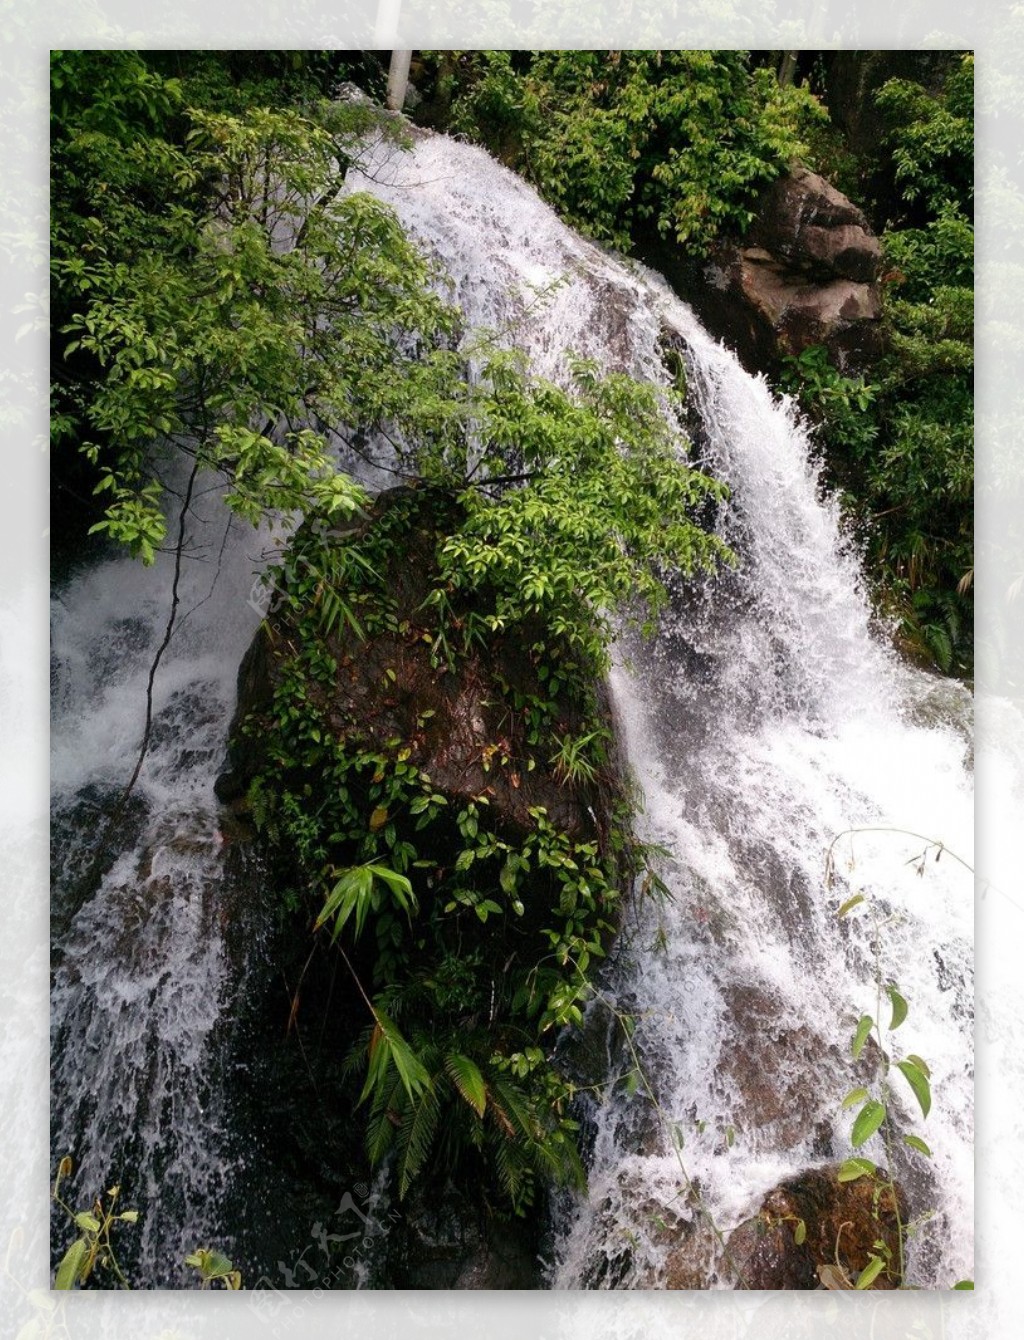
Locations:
column 900, row 438
column 234, row 304
column 622, row 141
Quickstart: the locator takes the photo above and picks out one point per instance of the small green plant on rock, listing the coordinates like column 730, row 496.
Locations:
column 214, row 1268
column 91, row 1255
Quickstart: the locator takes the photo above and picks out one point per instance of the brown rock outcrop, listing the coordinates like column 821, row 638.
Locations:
column 806, row 273
column 842, row 1221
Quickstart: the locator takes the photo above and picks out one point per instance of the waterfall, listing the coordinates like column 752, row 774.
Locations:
column 144, row 967
column 761, row 722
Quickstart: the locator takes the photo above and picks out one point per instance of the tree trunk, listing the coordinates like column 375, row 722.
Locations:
column 398, row 78
column 787, row 67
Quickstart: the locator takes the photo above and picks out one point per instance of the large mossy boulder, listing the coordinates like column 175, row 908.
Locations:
column 459, row 781
column 462, row 718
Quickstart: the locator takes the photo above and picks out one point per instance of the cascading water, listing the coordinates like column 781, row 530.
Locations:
column 761, row 725
column 761, row 722
column 144, row 968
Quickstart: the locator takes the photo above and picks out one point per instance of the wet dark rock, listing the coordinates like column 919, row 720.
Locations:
column 77, row 865
column 843, row 1222
column 779, row 1068
column 445, row 1240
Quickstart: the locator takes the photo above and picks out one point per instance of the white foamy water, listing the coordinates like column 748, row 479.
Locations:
column 142, row 972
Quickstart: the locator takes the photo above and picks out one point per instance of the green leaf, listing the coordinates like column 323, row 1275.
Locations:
column 915, row 1142
column 68, row 1270
column 870, row 1273
column 916, row 1060
column 398, row 884
column 466, row 1077
column 869, row 1118
column 388, row 1047
column 918, row 1081
column 87, row 1221
column 215, row 1264
column 899, row 1008
column 850, row 904
column 851, row 1169
column 854, row 1097
column 964, row 1284
column 800, row 1233
column 417, row 1135
column 864, row 1027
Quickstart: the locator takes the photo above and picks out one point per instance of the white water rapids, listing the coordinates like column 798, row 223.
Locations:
column 143, row 973
column 761, row 722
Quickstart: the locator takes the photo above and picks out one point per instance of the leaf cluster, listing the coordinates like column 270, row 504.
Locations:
column 623, row 141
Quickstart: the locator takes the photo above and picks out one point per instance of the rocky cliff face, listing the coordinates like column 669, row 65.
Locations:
column 806, row 273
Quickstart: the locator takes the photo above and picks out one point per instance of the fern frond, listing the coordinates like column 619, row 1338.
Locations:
column 517, row 1107
column 416, row 1136
column 514, row 1174
column 385, row 1112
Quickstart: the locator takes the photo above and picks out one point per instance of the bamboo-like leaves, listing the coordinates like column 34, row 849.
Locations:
column 356, row 892
column 466, row 1077
column 387, row 1047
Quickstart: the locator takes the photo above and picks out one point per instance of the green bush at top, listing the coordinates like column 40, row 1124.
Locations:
column 620, row 142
